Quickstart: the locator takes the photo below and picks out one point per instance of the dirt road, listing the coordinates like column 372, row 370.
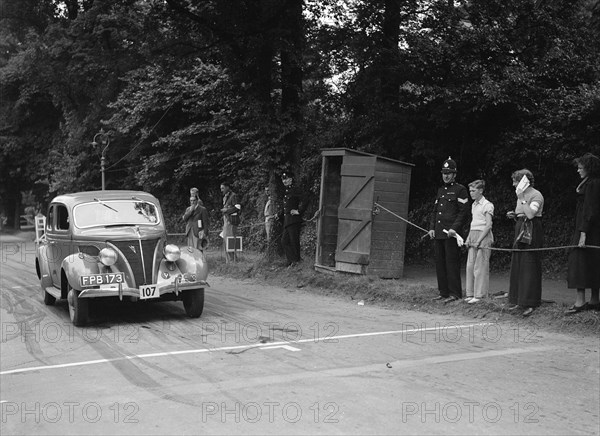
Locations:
column 552, row 289
column 267, row 360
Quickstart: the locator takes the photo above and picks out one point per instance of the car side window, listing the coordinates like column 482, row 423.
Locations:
column 50, row 220
column 62, row 218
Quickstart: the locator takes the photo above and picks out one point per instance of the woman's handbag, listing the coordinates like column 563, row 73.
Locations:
column 525, row 235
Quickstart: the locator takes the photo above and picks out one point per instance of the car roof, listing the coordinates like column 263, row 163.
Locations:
column 85, row 196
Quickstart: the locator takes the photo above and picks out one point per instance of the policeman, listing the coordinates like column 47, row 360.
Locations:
column 451, row 212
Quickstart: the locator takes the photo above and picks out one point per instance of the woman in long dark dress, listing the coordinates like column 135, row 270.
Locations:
column 584, row 263
column 525, row 289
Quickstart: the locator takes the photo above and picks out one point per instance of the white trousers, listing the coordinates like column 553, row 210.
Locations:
column 478, row 265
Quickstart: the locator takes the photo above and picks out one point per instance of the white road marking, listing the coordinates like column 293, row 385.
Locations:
column 287, row 347
column 236, row 347
column 20, row 287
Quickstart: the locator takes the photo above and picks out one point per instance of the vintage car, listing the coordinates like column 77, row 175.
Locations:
column 101, row 244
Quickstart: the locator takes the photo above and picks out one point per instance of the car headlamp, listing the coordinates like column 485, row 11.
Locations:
column 107, row 256
column 172, row 253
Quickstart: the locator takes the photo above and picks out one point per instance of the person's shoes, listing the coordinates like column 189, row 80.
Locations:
column 466, row 300
column 576, row 309
column 501, row 295
column 512, row 307
column 528, row 311
column 595, row 306
column 450, row 299
column 439, row 297
column 473, row 300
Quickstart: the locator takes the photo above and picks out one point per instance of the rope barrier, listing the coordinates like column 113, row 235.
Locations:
column 403, row 219
column 562, row 247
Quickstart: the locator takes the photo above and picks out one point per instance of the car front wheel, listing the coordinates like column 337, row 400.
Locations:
column 193, row 302
column 78, row 308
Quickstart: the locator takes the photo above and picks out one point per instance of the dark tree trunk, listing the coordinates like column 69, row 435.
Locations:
column 292, row 46
column 389, row 74
column 390, row 79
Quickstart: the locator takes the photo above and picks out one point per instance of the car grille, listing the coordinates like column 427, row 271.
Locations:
column 135, row 258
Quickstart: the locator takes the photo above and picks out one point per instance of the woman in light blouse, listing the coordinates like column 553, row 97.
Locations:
column 526, row 266
column 479, row 240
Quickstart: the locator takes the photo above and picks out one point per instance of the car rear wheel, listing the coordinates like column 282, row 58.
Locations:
column 193, row 302
column 78, row 308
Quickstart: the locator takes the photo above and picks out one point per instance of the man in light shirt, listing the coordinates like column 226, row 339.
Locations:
column 479, row 240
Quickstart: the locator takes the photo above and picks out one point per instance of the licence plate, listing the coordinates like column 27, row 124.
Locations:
column 149, row 291
column 102, row 279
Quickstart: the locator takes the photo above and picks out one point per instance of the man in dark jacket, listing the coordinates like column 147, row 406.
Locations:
column 231, row 219
column 292, row 219
column 196, row 224
column 450, row 215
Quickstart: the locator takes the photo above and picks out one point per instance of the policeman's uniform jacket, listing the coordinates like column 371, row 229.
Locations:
column 451, row 210
column 292, row 200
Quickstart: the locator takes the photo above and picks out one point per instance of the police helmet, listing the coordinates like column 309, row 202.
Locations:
column 449, row 165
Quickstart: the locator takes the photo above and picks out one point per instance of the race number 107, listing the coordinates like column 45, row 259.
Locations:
column 148, row 291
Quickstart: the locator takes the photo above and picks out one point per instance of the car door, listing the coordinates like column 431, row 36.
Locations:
column 59, row 239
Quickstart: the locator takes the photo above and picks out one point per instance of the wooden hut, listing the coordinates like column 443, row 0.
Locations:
column 353, row 234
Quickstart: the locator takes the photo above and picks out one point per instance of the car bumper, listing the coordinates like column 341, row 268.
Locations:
column 123, row 291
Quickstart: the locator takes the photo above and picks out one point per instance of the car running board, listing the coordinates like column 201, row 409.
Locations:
column 54, row 292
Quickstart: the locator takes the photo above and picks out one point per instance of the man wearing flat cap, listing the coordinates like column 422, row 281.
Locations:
column 450, row 214
column 292, row 219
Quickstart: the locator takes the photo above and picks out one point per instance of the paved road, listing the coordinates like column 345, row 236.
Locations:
column 264, row 360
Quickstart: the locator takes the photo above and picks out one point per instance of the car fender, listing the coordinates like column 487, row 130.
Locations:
column 77, row 265
column 41, row 259
column 191, row 266
column 193, row 261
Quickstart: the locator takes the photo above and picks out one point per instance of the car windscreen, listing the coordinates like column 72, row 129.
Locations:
column 115, row 213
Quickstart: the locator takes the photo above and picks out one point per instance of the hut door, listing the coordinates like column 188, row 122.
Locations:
column 355, row 211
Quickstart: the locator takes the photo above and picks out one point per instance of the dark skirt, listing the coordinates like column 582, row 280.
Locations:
column 526, row 268
column 584, row 265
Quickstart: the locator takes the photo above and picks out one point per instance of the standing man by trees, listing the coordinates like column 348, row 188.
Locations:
column 196, row 223
column 231, row 218
column 293, row 208
column 449, row 216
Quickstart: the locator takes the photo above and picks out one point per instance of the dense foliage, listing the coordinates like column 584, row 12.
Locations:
column 193, row 92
